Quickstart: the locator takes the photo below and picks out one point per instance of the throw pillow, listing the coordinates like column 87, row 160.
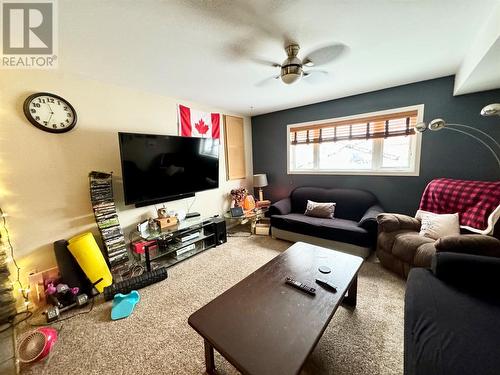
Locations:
column 419, row 214
column 324, row 210
column 436, row 226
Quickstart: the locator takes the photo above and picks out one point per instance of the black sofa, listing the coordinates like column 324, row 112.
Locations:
column 452, row 316
column 353, row 228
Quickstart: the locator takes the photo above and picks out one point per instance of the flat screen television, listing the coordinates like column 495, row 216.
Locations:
column 161, row 168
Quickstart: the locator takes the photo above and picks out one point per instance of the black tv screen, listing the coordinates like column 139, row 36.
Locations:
column 160, row 168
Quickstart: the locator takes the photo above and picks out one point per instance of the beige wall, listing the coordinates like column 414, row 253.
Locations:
column 44, row 177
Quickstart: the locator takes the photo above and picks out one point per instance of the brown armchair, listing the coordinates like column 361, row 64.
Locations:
column 400, row 247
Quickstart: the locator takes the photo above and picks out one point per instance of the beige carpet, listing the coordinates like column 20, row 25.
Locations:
column 156, row 338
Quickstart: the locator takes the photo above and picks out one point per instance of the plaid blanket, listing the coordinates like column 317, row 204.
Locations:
column 477, row 202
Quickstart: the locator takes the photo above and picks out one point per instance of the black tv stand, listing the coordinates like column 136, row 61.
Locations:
column 190, row 215
column 173, row 244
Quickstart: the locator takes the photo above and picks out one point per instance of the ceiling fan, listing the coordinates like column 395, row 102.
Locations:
column 292, row 68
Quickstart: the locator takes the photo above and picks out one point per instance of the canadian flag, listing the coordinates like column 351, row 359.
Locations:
column 193, row 123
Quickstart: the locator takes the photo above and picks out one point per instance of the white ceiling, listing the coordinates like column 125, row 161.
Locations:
column 184, row 48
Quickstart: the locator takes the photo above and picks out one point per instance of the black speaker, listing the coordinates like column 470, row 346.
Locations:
column 71, row 273
column 220, row 231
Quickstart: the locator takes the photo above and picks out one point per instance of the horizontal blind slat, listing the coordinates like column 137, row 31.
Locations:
column 397, row 124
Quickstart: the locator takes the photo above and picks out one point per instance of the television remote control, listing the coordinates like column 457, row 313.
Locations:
column 298, row 285
column 327, row 285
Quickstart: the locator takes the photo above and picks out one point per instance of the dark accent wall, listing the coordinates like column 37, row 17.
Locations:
column 444, row 153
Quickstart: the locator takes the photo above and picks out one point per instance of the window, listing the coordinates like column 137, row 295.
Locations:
column 379, row 143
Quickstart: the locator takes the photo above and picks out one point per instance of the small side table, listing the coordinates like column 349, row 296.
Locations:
column 251, row 217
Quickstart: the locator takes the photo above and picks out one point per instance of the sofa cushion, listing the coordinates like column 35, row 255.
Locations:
column 351, row 203
column 443, row 326
column 331, row 229
column 406, row 245
column 386, row 240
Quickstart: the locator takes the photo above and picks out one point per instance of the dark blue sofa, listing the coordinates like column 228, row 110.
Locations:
column 353, row 228
column 452, row 316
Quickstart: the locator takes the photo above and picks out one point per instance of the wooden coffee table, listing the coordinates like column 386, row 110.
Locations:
column 264, row 326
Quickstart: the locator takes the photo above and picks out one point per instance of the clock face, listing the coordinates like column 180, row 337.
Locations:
column 50, row 112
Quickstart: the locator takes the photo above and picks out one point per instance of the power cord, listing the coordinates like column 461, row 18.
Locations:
column 191, row 205
column 133, row 269
column 65, row 318
column 12, row 321
column 11, row 248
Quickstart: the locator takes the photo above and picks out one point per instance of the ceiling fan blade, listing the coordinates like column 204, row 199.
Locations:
column 315, row 76
column 243, row 49
column 325, row 55
column 265, row 62
column 267, row 81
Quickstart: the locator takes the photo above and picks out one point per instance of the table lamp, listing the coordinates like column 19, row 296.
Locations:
column 260, row 180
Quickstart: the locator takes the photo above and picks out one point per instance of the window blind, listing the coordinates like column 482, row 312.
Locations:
column 383, row 126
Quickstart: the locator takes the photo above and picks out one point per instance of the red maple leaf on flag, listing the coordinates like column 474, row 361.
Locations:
column 201, row 127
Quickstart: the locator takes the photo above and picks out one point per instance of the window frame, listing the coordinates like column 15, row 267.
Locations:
column 415, row 148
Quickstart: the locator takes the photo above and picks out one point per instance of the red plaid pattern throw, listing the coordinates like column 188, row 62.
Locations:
column 477, row 202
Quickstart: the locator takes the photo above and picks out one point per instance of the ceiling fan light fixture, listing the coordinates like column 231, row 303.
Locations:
column 291, row 70
column 290, row 78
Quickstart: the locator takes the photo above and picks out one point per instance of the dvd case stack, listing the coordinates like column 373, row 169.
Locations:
column 106, row 217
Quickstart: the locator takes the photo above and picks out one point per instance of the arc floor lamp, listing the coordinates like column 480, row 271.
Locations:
column 489, row 110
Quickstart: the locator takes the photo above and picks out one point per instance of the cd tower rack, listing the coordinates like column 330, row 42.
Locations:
column 106, row 217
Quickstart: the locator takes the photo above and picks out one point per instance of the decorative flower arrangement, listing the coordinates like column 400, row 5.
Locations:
column 238, row 196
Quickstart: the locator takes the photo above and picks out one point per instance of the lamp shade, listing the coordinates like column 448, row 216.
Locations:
column 437, row 124
column 421, row 127
column 491, row 110
column 260, row 180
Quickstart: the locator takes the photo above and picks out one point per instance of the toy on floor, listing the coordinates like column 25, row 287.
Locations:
column 123, row 304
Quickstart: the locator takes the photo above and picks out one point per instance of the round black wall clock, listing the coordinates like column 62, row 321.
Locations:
column 49, row 112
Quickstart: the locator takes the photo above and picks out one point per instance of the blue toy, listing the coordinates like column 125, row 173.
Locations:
column 123, row 304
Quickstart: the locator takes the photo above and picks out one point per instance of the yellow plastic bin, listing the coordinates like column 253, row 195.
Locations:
column 88, row 255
